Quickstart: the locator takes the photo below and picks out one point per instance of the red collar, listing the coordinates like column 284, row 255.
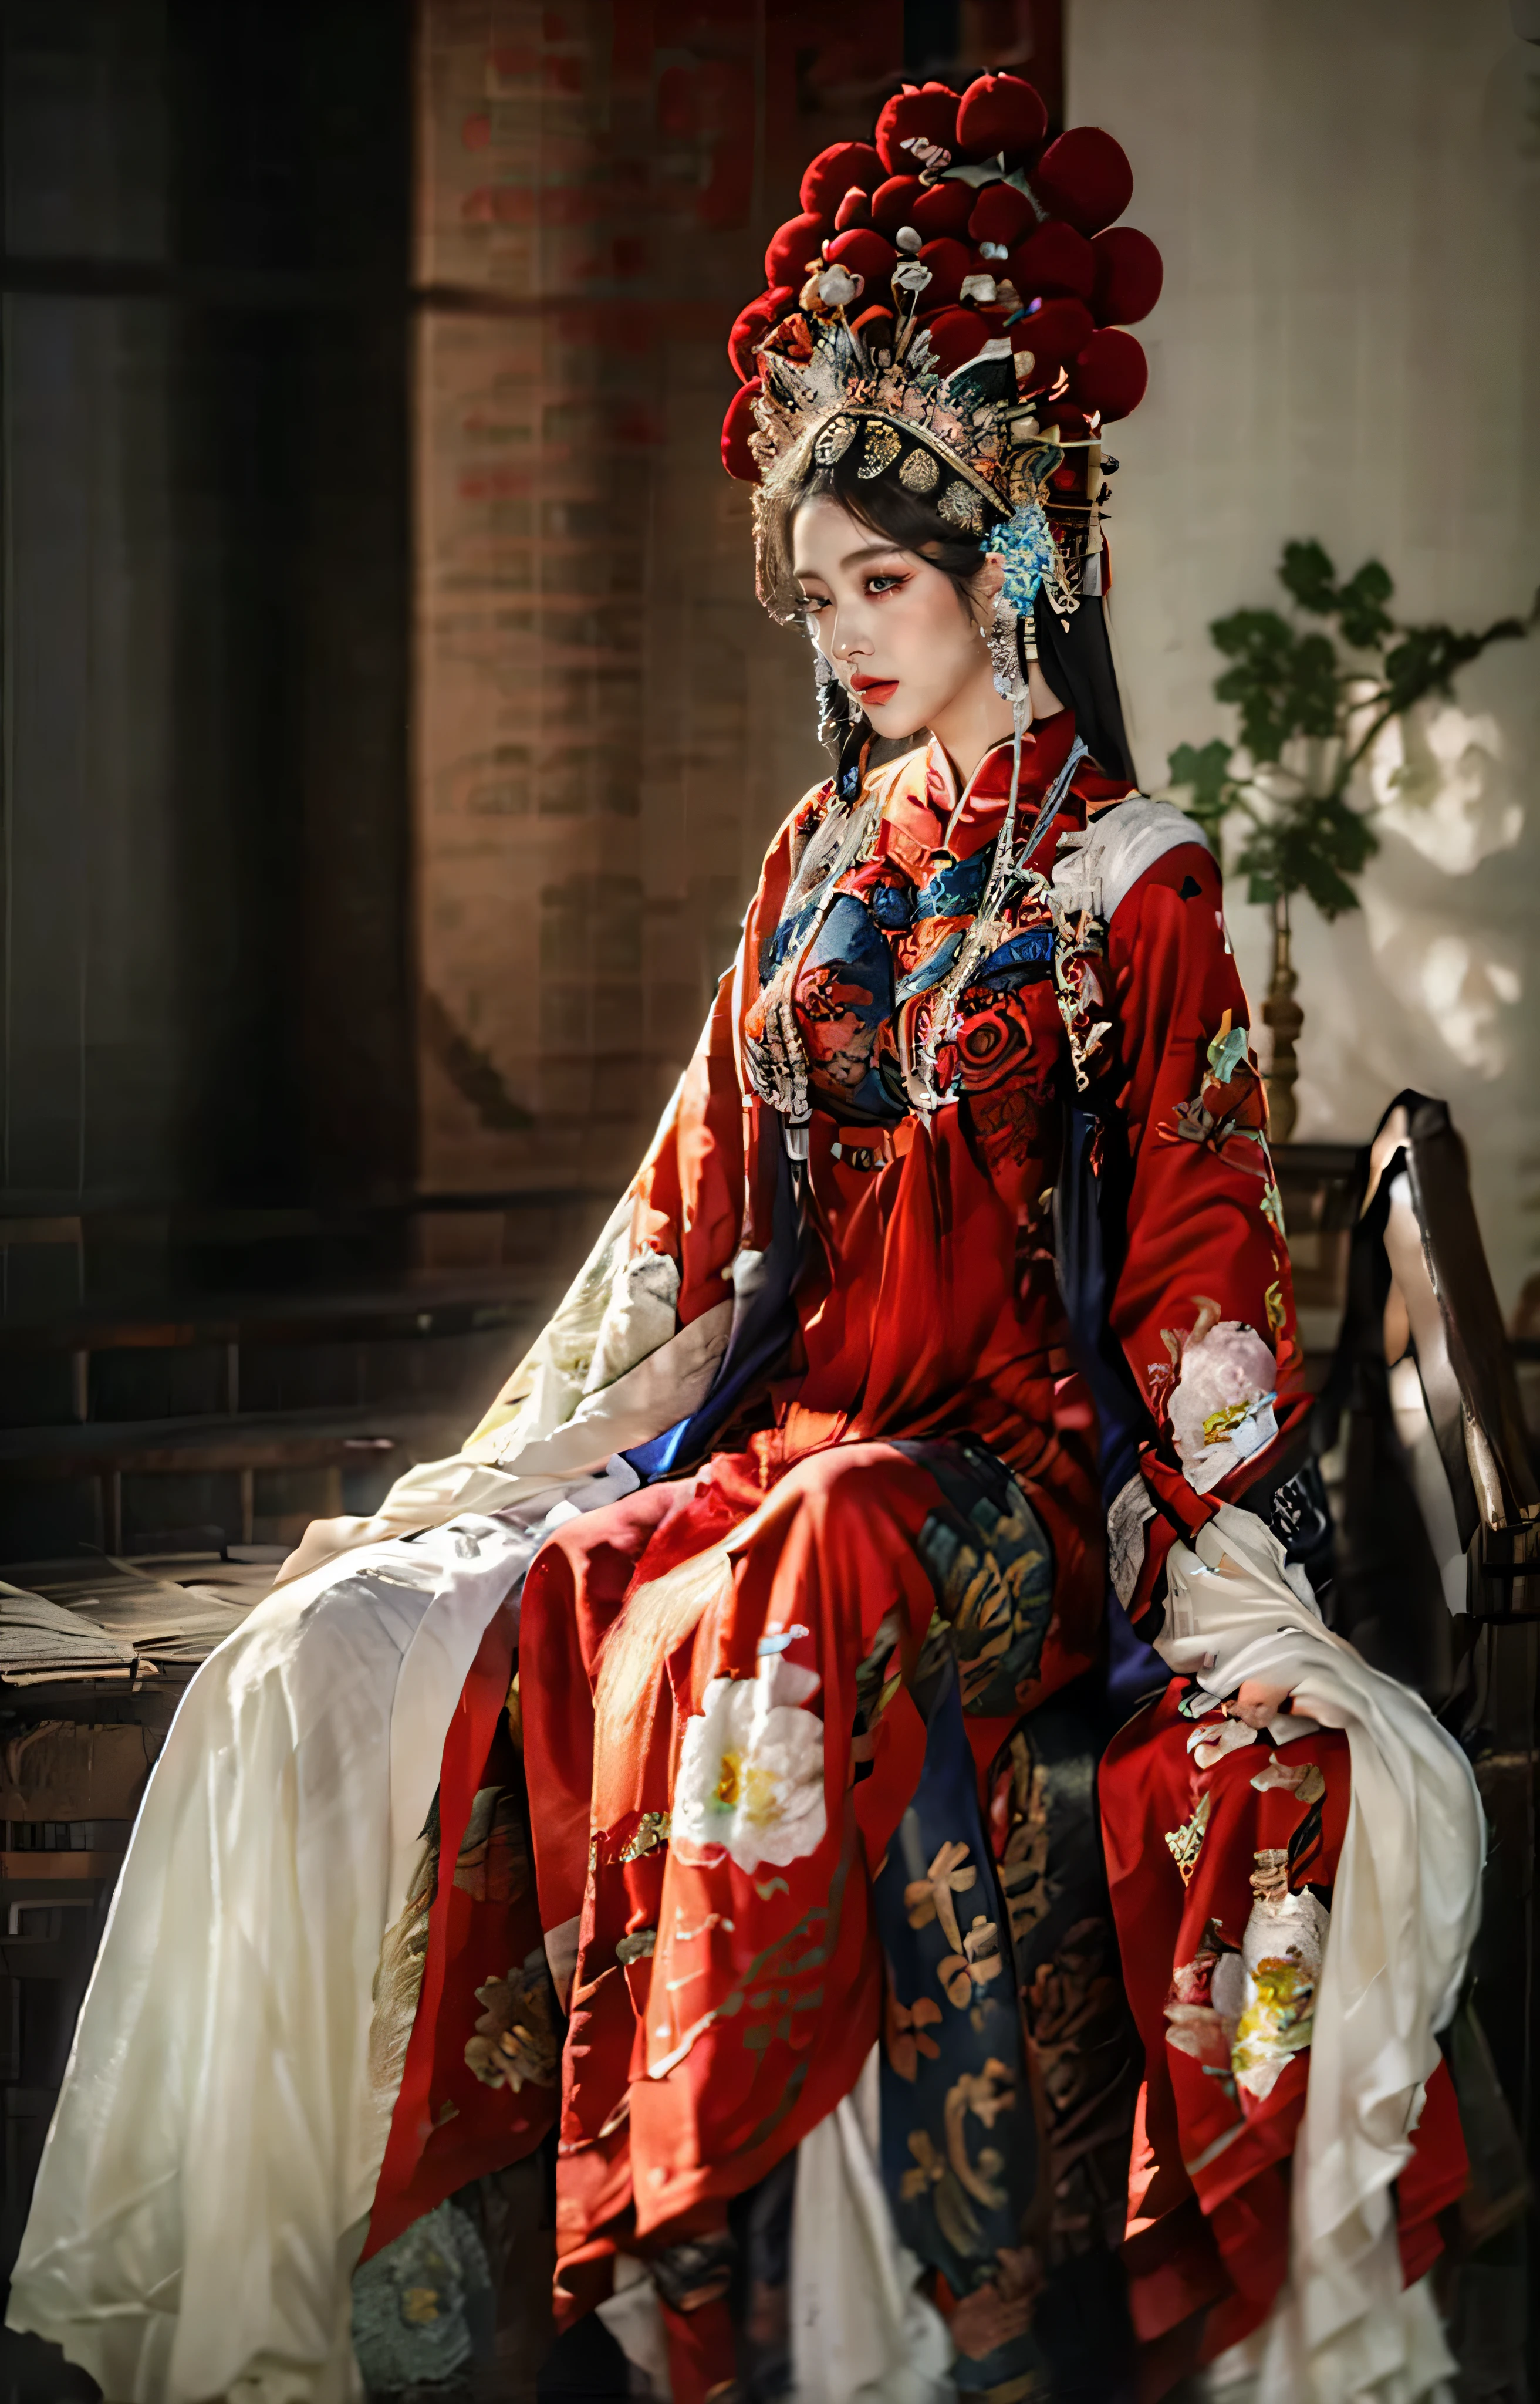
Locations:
column 984, row 799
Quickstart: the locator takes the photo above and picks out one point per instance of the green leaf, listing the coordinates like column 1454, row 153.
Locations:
column 1259, row 862
column 1323, row 841
column 1283, row 683
column 1262, row 646
column 1286, row 684
column 1226, row 1054
column 1313, row 696
column 1309, row 576
column 1313, row 848
column 1426, row 658
column 1252, row 634
column 1361, row 612
column 1331, row 893
column 1208, row 774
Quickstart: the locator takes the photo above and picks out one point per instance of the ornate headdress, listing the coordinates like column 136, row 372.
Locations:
column 953, row 299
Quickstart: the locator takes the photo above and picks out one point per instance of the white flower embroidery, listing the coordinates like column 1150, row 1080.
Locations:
column 750, row 1775
column 1222, row 1407
column 1282, row 1949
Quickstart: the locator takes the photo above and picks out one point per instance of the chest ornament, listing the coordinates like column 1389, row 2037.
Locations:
column 776, row 1056
column 939, row 1027
column 994, row 943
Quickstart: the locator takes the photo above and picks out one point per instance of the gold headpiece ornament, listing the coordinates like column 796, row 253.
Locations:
column 952, row 299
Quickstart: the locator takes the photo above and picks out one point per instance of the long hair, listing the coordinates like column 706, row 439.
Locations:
column 1076, row 659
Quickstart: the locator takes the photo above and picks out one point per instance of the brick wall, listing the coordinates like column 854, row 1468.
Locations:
column 607, row 729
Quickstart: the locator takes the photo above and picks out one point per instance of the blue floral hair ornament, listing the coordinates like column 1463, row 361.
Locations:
column 1025, row 546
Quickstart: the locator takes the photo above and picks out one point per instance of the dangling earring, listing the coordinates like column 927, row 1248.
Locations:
column 1010, row 653
column 839, row 715
column 833, row 701
column 1009, row 658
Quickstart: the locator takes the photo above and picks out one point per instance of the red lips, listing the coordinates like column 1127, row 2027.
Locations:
column 877, row 689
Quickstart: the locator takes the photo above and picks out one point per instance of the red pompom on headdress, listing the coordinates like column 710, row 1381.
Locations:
column 1128, row 276
column 893, row 203
column 1054, row 258
column 1086, row 178
column 866, row 254
column 1001, row 214
column 942, row 210
column 792, row 245
column 955, row 289
column 999, row 116
column 844, row 166
column 921, row 118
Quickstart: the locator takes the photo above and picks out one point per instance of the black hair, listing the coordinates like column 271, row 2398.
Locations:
column 908, row 519
column 1074, row 655
column 1076, row 659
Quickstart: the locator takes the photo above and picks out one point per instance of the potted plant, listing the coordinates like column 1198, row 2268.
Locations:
column 1313, row 699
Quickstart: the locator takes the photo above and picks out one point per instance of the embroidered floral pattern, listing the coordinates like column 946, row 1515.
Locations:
column 931, row 1897
column 1186, row 1842
column 956, row 2180
column 1204, row 2003
column 515, row 2041
column 750, row 1774
column 1077, row 2021
column 979, row 1961
column 1284, row 1945
column 974, row 1957
column 1025, row 1879
column 990, row 1563
column 1220, row 1408
column 1304, row 1780
column 649, row 1836
column 905, row 2031
column 1228, row 1113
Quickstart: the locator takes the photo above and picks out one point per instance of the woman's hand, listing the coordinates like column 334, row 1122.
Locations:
column 1257, row 1703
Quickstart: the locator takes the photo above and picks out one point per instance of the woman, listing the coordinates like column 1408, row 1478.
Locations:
column 953, row 1288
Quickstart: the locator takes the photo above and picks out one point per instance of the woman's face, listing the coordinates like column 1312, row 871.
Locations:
column 891, row 626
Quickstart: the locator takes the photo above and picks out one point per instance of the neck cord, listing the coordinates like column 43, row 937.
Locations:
column 979, row 941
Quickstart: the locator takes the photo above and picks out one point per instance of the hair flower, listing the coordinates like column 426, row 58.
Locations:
column 1025, row 547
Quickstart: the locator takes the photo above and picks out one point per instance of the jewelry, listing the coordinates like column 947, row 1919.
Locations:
column 961, row 505
column 1011, row 870
column 833, row 702
column 920, row 473
column 834, row 441
column 1004, row 650
column 883, row 446
column 777, row 1059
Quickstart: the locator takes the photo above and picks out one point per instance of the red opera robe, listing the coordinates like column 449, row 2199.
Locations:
column 723, row 1996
